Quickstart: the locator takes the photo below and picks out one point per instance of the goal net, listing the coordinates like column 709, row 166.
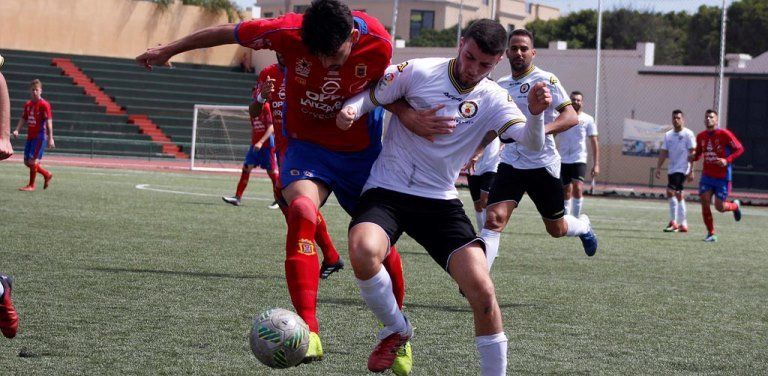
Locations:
column 221, row 136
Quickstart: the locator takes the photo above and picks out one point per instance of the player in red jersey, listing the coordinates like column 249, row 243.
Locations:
column 720, row 148
column 38, row 117
column 330, row 55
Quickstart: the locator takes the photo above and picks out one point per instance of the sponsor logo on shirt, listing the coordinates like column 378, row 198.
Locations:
column 451, row 96
column 401, row 66
column 468, row 109
column 361, row 70
column 386, row 80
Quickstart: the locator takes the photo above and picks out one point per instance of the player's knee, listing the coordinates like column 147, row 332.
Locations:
column 481, row 295
column 364, row 252
column 302, row 207
column 556, row 229
column 719, row 206
column 495, row 220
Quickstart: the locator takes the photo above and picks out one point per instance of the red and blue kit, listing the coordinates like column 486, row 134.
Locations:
column 36, row 115
column 713, row 145
column 276, row 104
column 264, row 157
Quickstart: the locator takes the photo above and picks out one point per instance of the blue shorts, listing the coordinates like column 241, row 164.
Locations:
column 721, row 187
column 345, row 173
column 35, row 147
column 264, row 157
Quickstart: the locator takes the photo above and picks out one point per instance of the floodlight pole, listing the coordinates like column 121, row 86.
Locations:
column 458, row 29
column 597, row 59
column 721, row 67
column 394, row 21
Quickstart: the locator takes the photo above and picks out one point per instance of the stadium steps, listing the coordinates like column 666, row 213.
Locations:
column 150, row 128
column 80, row 79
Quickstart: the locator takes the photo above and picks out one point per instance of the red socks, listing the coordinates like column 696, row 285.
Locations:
column 32, row 175
column 394, row 266
column 706, row 212
column 244, row 176
column 43, row 171
column 323, row 239
column 301, row 262
column 729, row 206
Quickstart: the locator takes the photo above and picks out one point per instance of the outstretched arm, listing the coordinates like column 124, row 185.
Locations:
column 6, row 150
column 208, row 37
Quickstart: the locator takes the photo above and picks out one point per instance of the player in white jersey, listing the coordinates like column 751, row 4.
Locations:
column 572, row 147
column 536, row 172
column 411, row 186
column 679, row 144
column 480, row 175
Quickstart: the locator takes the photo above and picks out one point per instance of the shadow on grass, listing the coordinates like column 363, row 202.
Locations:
column 185, row 273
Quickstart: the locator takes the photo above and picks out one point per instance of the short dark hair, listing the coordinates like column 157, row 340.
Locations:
column 326, row 26
column 521, row 32
column 488, row 34
column 710, row 111
column 36, row 82
column 678, row 111
column 576, row 92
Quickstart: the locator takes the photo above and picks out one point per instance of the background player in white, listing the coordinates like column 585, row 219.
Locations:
column 679, row 145
column 536, row 172
column 411, row 187
column 572, row 147
column 480, row 175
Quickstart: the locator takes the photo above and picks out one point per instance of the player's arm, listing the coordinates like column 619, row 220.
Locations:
column 595, row 155
column 49, row 126
column 266, row 118
column 663, row 153
column 208, row 37
column 564, row 121
column 393, row 85
column 266, row 88
column 698, row 151
column 487, row 139
column 691, row 174
column 6, row 150
column 529, row 132
column 425, row 123
column 737, row 148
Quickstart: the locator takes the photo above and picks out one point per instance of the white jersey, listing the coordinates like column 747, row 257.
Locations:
column 489, row 161
column 678, row 144
column 518, row 155
column 414, row 165
column 572, row 144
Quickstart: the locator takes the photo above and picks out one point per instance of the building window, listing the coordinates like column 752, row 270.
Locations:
column 269, row 14
column 420, row 20
column 300, row 8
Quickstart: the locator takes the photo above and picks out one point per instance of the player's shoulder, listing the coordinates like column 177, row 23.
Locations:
column 587, row 118
column 504, row 79
column 539, row 74
column 368, row 25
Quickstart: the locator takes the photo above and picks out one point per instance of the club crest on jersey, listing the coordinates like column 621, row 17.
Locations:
column 525, row 87
column 468, row 109
column 401, row 66
column 307, row 247
column 361, row 70
column 303, row 67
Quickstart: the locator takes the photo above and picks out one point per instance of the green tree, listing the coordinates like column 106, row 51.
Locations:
column 703, row 47
column 747, row 27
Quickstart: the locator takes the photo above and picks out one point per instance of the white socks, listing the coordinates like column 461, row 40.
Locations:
column 577, row 202
column 672, row 208
column 681, row 213
column 493, row 354
column 567, row 205
column 2, row 289
column 576, row 226
column 480, row 219
column 491, row 239
column 378, row 296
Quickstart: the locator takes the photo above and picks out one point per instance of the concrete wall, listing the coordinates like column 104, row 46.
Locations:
column 116, row 28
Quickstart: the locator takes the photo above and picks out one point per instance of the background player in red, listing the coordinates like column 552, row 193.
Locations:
column 38, row 117
column 261, row 152
column 330, row 55
column 720, row 148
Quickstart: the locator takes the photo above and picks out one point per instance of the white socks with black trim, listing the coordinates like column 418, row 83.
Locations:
column 493, row 354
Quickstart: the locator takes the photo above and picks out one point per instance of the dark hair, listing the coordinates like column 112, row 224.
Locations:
column 711, row 111
column 326, row 26
column 675, row 112
column 36, row 82
column 521, row 32
column 576, row 92
column 488, row 34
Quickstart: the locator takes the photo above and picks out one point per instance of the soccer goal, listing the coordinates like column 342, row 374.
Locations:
column 221, row 136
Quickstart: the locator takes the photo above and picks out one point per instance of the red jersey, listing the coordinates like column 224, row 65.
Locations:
column 260, row 124
column 36, row 115
column 718, row 143
column 276, row 102
column 315, row 94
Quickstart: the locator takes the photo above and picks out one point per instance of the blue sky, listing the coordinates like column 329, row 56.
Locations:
column 575, row 5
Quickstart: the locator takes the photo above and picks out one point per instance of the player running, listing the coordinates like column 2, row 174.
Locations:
column 39, row 120
column 572, row 147
column 330, row 55
column 536, row 172
column 720, row 148
column 679, row 145
column 411, row 186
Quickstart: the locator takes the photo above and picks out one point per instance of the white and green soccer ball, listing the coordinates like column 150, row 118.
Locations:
column 279, row 338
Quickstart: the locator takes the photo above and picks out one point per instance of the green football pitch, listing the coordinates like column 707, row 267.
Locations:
column 133, row 272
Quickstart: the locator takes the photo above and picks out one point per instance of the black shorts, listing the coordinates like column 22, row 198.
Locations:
column 572, row 171
column 545, row 190
column 675, row 181
column 478, row 183
column 440, row 226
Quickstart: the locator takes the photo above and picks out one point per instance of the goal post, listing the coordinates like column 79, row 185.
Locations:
column 221, row 136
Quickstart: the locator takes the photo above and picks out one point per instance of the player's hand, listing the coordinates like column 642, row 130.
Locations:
column 267, row 88
column 427, row 123
column 51, row 143
column 15, row 134
column 346, row 117
column 539, row 98
column 257, row 146
column 722, row 162
column 596, row 170
column 470, row 166
column 658, row 173
column 155, row 56
column 6, row 149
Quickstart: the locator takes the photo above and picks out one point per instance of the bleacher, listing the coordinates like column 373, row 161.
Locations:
column 166, row 96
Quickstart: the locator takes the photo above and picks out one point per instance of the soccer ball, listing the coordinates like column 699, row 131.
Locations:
column 279, row 338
